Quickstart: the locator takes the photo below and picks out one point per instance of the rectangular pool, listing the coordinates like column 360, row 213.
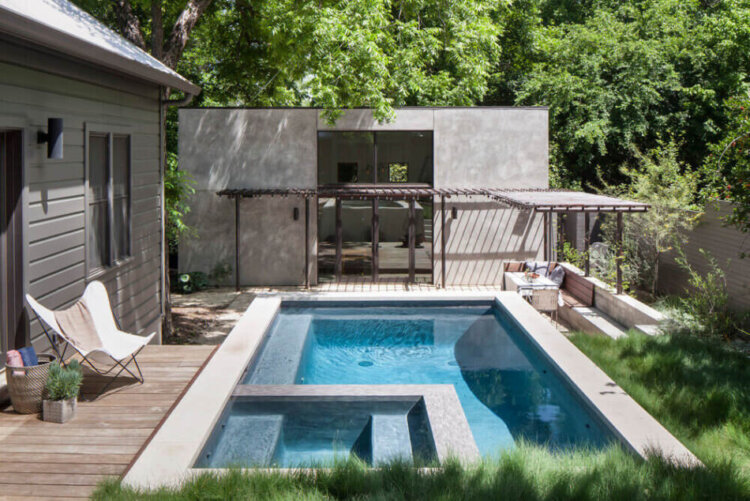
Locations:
column 507, row 389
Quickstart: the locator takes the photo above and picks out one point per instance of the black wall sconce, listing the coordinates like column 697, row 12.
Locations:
column 295, row 213
column 454, row 213
column 53, row 137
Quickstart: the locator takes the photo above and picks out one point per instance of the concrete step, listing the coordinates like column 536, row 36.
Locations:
column 593, row 320
column 648, row 329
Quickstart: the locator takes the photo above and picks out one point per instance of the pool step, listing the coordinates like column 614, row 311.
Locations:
column 282, row 353
column 248, row 440
column 391, row 440
column 385, row 438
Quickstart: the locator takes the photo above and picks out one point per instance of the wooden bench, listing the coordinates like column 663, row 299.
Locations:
column 577, row 290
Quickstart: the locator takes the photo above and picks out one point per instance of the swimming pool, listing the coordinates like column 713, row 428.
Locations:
column 527, row 401
column 507, row 390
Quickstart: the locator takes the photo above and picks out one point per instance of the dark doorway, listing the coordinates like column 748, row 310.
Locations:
column 12, row 318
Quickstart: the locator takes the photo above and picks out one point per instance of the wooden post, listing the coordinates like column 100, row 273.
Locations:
column 443, row 250
column 339, row 241
column 546, row 236
column 237, row 242
column 307, row 242
column 375, row 239
column 412, row 240
column 620, row 253
column 586, row 242
column 560, row 236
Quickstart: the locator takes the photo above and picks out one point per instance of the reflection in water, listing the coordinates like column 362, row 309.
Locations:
column 531, row 403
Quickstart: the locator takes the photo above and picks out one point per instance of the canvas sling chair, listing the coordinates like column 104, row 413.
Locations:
column 90, row 328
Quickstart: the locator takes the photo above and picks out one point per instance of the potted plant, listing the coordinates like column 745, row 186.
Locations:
column 63, row 383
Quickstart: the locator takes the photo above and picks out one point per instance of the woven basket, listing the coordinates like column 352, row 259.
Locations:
column 26, row 385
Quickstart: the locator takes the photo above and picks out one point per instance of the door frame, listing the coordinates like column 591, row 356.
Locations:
column 20, row 124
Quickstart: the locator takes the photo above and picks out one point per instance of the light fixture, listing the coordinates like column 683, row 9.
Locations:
column 454, row 213
column 53, row 137
column 295, row 213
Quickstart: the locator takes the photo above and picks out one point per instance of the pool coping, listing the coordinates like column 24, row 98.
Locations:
column 169, row 457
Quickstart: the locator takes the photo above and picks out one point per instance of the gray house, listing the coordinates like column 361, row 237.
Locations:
column 80, row 168
column 289, row 199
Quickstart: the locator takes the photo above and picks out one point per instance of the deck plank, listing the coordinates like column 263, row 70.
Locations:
column 47, row 460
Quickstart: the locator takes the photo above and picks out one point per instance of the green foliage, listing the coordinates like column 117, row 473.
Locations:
column 728, row 166
column 695, row 387
column 706, row 299
column 63, row 383
column 178, row 186
column 526, row 473
column 187, row 283
column 338, row 54
column 619, row 76
column 569, row 254
column 664, row 183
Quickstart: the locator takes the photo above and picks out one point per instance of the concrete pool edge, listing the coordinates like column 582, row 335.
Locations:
column 169, row 457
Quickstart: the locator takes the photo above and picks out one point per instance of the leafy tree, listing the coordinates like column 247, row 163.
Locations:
column 728, row 167
column 664, row 183
column 620, row 76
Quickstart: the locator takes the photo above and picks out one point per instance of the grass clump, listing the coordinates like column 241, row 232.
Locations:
column 525, row 473
column 697, row 388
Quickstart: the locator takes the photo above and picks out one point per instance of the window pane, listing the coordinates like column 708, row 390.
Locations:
column 98, row 236
column 346, row 157
column 98, row 167
column 121, row 175
column 121, row 166
column 121, row 227
column 410, row 149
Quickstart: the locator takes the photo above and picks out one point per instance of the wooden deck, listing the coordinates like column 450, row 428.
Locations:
column 46, row 460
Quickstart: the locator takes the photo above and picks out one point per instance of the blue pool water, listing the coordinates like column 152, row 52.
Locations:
column 507, row 389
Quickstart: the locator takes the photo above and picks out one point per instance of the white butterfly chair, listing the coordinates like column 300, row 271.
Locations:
column 106, row 338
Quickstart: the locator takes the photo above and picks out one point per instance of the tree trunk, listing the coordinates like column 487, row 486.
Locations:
column 129, row 25
column 181, row 31
column 157, row 29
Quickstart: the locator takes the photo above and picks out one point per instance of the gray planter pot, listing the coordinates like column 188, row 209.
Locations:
column 59, row 411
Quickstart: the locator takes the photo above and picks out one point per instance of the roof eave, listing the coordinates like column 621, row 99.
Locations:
column 46, row 36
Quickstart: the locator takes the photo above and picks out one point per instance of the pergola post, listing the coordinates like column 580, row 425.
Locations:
column 339, row 241
column 307, row 242
column 442, row 238
column 560, row 236
column 620, row 253
column 586, row 242
column 375, row 239
column 546, row 236
column 237, row 242
column 412, row 240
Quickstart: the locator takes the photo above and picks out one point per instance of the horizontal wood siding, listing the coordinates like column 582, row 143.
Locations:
column 55, row 203
column 725, row 243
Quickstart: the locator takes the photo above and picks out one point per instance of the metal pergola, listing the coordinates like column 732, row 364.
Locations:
column 545, row 201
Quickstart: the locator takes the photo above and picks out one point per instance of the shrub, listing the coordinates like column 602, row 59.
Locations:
column 191, row 282
column 63, row 383
column 707, row 300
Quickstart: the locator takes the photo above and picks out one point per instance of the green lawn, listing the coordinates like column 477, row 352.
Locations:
column 697, row 389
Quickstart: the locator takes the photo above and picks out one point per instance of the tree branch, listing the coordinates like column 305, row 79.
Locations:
column 129, row 25
column 181, row 31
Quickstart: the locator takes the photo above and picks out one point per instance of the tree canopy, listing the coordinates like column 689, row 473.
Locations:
column 619, row 76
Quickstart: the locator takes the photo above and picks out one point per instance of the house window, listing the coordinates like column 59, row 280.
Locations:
column 108, row 224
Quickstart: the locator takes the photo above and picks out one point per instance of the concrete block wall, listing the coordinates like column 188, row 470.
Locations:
column 277, row 148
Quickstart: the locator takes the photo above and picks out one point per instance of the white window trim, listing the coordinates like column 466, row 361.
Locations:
column 110, row 130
